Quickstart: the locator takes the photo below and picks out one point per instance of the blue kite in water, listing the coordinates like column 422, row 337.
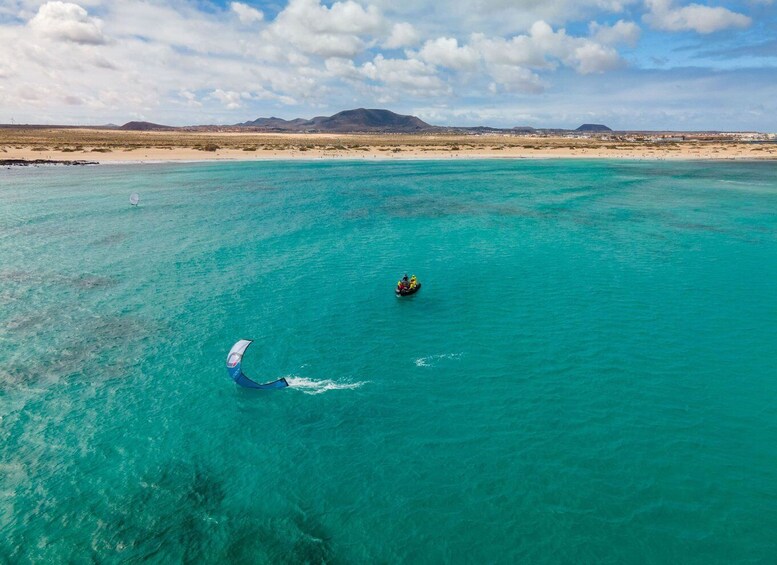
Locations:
column 235, row 358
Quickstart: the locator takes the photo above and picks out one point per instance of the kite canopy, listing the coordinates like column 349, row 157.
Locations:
column 235, row 359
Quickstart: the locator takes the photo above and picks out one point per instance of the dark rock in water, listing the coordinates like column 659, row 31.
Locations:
column 593, row 128
column 35, row 162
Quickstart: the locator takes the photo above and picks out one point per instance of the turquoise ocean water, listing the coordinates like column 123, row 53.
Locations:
column 589, row 374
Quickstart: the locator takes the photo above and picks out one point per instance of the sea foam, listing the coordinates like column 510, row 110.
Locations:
column 312, row 386
column 432, row 360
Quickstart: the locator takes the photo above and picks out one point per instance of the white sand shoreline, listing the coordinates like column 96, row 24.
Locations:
column 109, row 147
column 390, row 158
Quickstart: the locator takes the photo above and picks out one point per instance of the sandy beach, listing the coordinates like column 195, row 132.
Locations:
column 108, row 146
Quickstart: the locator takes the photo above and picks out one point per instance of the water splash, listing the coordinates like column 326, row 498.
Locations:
column 432, row 360
column 311, row 386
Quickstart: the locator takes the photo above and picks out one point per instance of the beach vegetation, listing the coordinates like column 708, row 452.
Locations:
column 72, row 141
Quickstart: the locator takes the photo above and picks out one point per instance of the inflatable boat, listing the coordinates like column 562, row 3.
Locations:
column 407, row 291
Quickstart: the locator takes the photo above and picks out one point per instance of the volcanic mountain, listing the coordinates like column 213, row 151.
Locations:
column 143, row 126
column 593, row 128
column 359, row 120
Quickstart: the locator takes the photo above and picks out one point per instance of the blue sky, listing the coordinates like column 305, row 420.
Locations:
column 631, row 64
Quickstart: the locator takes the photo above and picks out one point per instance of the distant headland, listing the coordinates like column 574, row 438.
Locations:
column 369, row 120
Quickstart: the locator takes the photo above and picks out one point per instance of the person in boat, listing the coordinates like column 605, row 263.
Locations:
column 405, row 281
column 399, row 286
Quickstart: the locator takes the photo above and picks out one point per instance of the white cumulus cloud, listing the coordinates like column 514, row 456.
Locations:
column 498, row 17
column 508, row 78
column 402, row 35
column 246, row 13
column 199, row 61
column 67, row 22
column 231, row 99
column 591, row 57
column 408, row 75
column 445, row 52
column 694, row 17
column 621, row 32
column 544, row 48
column 341, row 30
column 343, row 68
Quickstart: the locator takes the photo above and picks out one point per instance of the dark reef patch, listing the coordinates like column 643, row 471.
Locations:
column 181, row 513
column 92, row 281
column 37, row 278
column 111, row 239
column 173, row 515
column 90, row 351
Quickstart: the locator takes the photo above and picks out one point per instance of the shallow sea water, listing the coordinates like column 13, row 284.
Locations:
column 588, row 375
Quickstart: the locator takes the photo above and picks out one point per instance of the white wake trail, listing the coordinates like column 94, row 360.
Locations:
column 431, row 360
column 311, row 386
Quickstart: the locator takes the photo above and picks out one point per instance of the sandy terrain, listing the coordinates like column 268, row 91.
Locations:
column 108, row 146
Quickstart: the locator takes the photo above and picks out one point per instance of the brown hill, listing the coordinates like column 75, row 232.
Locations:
column 593, row 128
column 359, row 120
column 143, row 126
